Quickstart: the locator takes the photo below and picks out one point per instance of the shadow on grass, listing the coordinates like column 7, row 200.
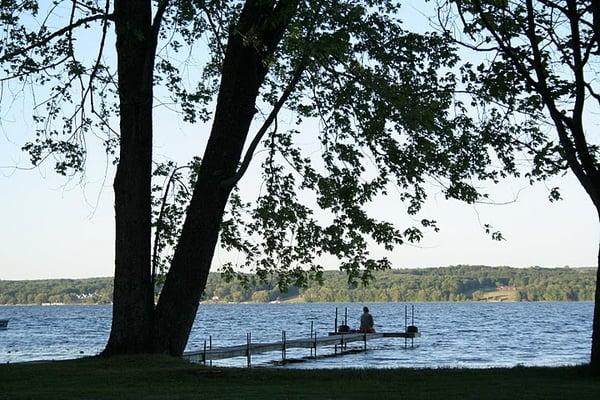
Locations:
column 161, row 377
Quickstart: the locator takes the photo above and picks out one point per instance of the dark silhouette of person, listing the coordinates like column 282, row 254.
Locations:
column 366, row 321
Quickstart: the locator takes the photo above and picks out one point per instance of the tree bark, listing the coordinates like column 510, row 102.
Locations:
column 244, row 68
column 137, row 325
column 133, row 299
column 596, row 19
column 595, row 356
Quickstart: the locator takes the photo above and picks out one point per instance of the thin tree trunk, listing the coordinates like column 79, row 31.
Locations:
column 133, row 300
column 596, row 19
column 244, row 69
column 595, row 357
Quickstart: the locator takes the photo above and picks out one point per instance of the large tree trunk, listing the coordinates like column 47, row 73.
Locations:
column 133, row 300
column 138, row 326
column 244, row 69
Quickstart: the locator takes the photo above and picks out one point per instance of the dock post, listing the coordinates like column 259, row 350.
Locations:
column 412, row 338
column 345, row 323
column 315, row 344
column 311, row 336
column 204, row 354
column 335, row 323
column 210, row 347
column 405, row 325
column 283, row 349
column 248, row 352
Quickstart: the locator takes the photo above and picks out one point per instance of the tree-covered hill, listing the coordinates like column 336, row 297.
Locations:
column 57, row 291
column 457, row 283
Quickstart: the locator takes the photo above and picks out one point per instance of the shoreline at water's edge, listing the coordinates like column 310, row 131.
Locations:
column 208, row 302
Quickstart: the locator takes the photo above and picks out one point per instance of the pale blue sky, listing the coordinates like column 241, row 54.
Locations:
column 52, row 228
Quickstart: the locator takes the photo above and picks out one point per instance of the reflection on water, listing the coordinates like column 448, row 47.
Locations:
column 453, row 334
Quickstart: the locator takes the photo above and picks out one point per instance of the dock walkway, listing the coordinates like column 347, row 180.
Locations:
column 313, row 343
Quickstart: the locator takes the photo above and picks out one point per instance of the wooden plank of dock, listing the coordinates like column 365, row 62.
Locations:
column 310, row 343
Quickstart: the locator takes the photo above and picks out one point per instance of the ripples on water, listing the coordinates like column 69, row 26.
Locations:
column 453, row 334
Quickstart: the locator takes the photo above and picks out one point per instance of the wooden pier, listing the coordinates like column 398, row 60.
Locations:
column 313, row 343
column 336, row 338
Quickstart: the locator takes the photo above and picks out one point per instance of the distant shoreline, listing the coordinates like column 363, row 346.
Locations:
column 314, row 302
column 456, row 283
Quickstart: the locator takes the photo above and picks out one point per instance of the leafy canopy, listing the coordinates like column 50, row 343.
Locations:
column 379, row 100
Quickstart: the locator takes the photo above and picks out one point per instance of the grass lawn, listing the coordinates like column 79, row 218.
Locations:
column 158, row 377
column 500, row 295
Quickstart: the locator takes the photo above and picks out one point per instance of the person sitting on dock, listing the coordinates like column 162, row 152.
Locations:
column 366, row 321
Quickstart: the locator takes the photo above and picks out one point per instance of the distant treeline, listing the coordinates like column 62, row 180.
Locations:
column 57, row 291
column 457, row 283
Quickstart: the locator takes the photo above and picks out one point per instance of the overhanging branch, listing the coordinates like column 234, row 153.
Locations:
column 54, row 35
column 231, row 182
column 159, row 221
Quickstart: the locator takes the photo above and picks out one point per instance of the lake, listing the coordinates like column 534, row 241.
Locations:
column 465, row 334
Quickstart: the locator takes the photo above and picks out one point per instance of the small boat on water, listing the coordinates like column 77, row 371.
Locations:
column 3, row 324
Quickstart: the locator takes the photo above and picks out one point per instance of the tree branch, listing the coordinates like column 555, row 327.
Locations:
column 159, row 222
column 151, row 53
column 98, row 60
column 158, row 18
column 231, row 182
column 541, row 86
column 583, row 173
column 596, row 19
column 576, row 124
column 56, row 34
column 577, row 59
column 214, row 29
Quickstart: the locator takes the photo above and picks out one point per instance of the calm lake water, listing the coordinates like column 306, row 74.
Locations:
column 453, row 334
